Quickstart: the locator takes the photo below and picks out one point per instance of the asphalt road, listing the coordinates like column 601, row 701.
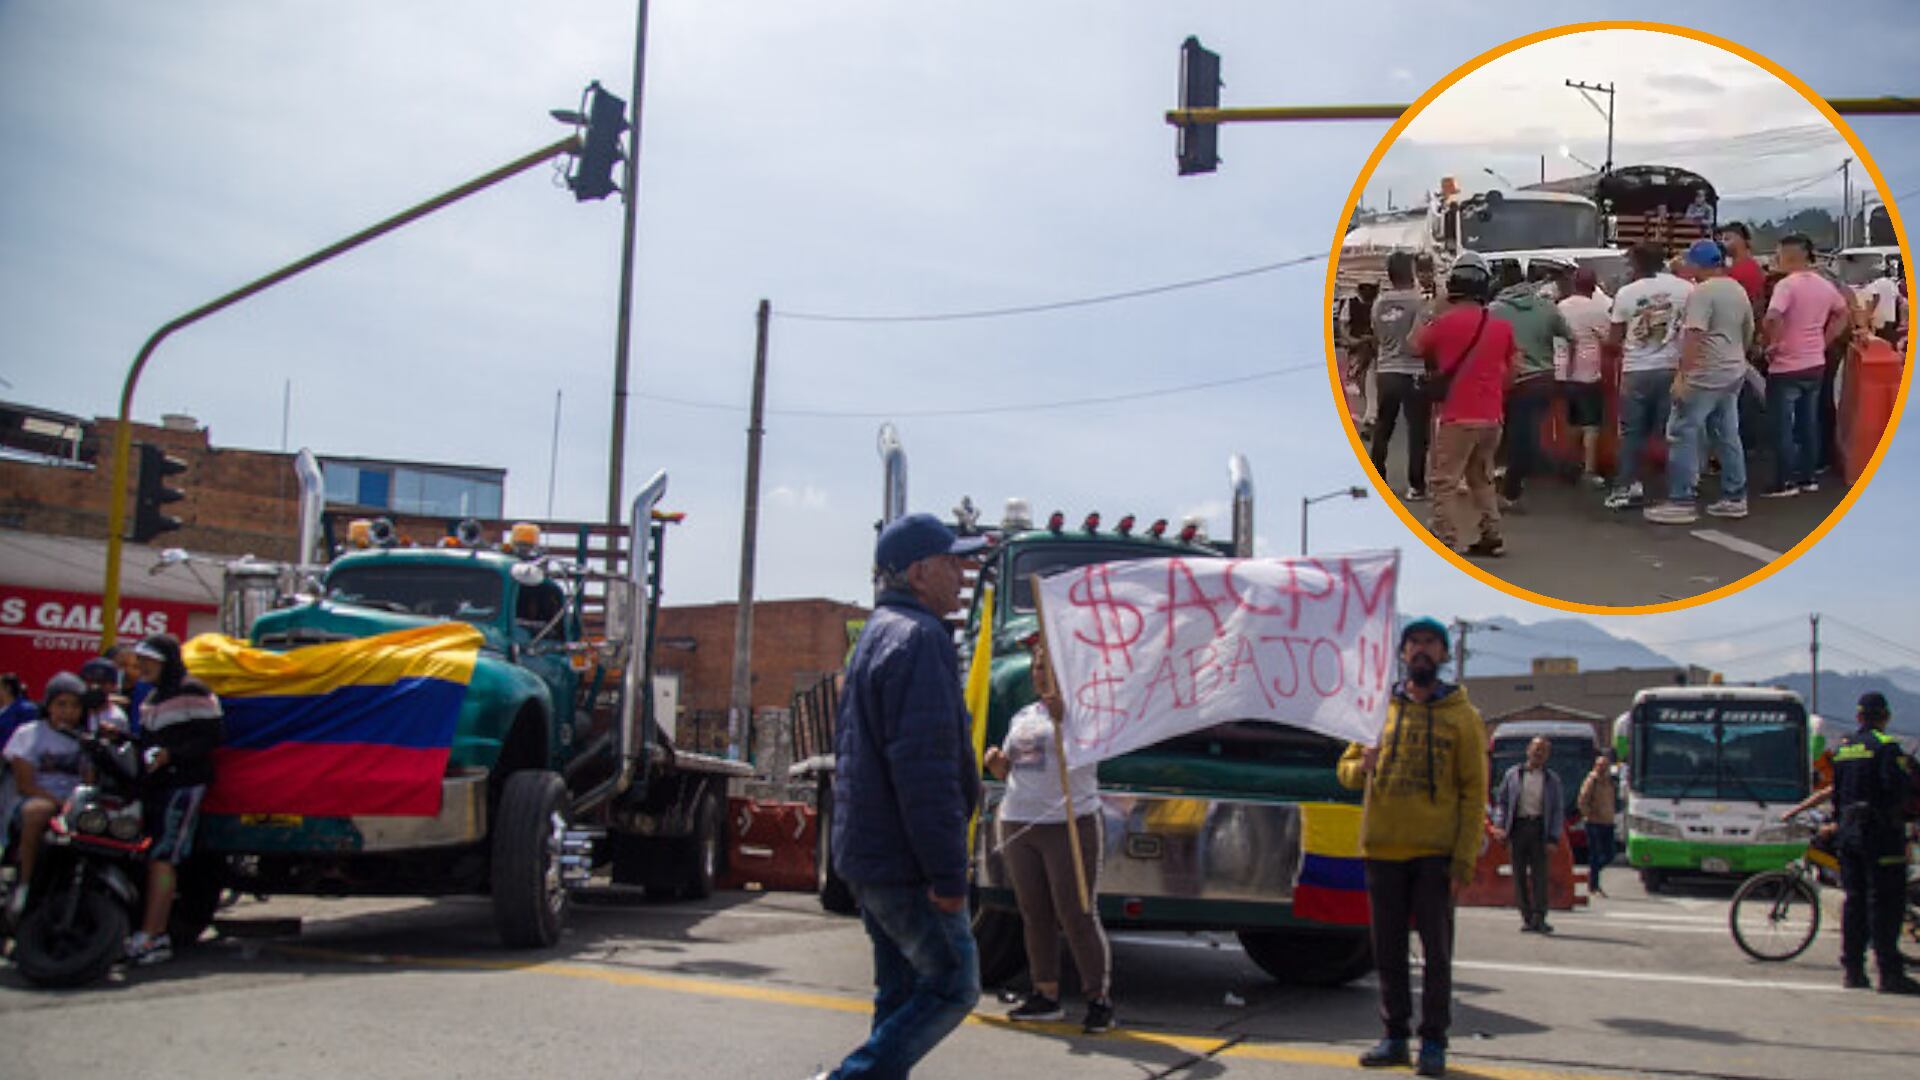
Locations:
column 1566, row 544
column 766, row 985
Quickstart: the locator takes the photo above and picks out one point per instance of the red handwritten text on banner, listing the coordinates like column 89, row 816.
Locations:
column 1147, row 650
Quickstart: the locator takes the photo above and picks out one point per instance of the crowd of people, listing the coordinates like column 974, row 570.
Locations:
column 1704, row 347
column 135, row 692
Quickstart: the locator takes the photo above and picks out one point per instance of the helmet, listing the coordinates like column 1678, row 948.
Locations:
column 1468, row 278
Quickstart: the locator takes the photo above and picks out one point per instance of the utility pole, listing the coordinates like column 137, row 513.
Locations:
column 1543, row 168
column 740, row 702
column 1460, row 628
column 1846, row 203
column 629, row 190
column 1606, row 168
column 1814, row 653
column 553, row 455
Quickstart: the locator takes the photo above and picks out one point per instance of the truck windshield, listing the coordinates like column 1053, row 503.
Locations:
column 471, row 593
column 1745, row 751
column 1569, row 759
column 1049, row 559
column 1521, row 224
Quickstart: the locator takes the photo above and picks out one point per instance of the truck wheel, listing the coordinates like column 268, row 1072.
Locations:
column 1002, row 942
column 529, row 901
column 834, row 894
column 703, row 856
column 1309, row 959
column 197, row 893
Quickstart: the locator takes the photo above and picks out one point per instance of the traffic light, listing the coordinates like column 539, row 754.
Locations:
column 1198, row 145
column 593, row 170
column 152, row 495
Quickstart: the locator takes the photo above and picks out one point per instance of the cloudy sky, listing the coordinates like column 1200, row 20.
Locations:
column 836, row 157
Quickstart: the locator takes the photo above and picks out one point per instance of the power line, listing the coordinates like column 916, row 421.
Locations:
column 1864, row 632
column 992, row 410
column 1056, row 305
column 1726, row 636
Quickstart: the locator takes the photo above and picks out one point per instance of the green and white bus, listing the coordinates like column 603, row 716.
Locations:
column 1708, row 771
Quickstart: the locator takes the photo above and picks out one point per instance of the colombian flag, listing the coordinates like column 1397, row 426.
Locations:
column 1333, row 881
column 335, row 730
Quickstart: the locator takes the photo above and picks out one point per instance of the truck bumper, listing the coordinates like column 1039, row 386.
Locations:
column 462, row 820
column 1175, row 861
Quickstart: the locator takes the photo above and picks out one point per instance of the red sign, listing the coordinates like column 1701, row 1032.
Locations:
column 46, row 631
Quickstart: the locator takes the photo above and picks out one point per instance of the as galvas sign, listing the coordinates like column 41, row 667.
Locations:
column 1146, row 650
column 44, row 631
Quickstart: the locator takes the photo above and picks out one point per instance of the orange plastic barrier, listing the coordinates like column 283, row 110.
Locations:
column 1493, row 878
column 770, row 844
column 1869, row 388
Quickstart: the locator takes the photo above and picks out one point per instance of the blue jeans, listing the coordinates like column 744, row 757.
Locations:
column 1793, row 404
column 926, row 975
column 1643, row 411
column 1696, row 417
column 1600, row 849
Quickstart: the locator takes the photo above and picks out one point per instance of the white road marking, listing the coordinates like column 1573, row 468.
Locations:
column 1736, row 545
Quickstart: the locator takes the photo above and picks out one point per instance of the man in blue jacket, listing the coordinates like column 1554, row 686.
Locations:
column 905, row 785
column 1529, row 812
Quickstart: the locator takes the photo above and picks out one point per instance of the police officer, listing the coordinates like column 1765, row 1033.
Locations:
column 1872, row 781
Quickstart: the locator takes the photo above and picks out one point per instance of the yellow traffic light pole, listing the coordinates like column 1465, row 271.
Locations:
column 122, row 438
column 1874, row 106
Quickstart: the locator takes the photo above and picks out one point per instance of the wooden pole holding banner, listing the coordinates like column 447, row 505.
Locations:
column 1043, row 662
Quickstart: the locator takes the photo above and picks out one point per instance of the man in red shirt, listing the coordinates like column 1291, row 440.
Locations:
column 1473, row 355
column 1742, row 266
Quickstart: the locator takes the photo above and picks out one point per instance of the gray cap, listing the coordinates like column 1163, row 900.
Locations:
column 65, row 683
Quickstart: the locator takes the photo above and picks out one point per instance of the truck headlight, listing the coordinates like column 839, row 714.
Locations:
column 1780, row 832
column 1647, row 826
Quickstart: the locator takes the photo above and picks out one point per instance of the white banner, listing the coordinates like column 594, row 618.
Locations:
column 1146, row 650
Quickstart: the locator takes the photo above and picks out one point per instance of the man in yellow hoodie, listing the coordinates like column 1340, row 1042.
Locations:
column 1426, row 806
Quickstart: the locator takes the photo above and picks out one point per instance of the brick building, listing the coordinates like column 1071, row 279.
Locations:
column 795, row 643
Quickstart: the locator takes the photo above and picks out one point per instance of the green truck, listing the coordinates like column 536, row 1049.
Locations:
column 560, row 764
column 1204, row 832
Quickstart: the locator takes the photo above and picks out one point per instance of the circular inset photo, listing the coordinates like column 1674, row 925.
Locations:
column 1619, row 318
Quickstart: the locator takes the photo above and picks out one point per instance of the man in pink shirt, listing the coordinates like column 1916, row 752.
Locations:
column 1805, row 315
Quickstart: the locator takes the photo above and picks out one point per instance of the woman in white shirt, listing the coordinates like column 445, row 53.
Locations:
column 1032, row 836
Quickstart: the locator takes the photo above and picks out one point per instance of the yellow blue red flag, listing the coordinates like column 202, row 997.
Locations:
column 336, row 730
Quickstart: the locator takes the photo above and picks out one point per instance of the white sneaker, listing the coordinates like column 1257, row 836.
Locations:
column 1622, row 498
column 1671, row 513
column 1785, row 491
column 1810, row 486
column 1414, row 494
column 1728, row 508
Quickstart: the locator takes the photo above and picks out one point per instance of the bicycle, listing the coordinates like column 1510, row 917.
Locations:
column 1775, row 914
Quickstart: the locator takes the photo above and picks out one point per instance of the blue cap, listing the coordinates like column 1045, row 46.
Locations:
column 907, row 540
column 1705, row 253
column 1427, row 623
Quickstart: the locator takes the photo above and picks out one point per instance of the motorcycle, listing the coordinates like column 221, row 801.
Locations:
column 88, row 882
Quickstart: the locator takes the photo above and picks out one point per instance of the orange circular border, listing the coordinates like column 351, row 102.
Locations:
column 1338, row 385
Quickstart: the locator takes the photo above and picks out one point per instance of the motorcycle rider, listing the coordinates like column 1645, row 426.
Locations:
column 47, row 764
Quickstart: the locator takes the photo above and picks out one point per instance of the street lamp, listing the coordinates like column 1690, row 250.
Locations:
column 1489, row 171
column 1355, row 492
column 1567, row 152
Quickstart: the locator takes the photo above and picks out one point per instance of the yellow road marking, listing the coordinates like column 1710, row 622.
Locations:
column 1198, row 1045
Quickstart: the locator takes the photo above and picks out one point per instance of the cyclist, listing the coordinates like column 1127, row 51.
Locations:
column 1872, row 781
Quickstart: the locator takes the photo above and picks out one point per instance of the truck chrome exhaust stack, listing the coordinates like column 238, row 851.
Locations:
column 313, row 503
column 893, row 460
column 635, row 677
column 1240, row 476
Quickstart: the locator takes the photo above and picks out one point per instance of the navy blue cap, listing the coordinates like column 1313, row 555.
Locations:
column 1705, row 253
column 907, row 540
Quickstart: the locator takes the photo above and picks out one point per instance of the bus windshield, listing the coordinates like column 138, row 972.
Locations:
column 1728, row 750
column 1523, row 224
